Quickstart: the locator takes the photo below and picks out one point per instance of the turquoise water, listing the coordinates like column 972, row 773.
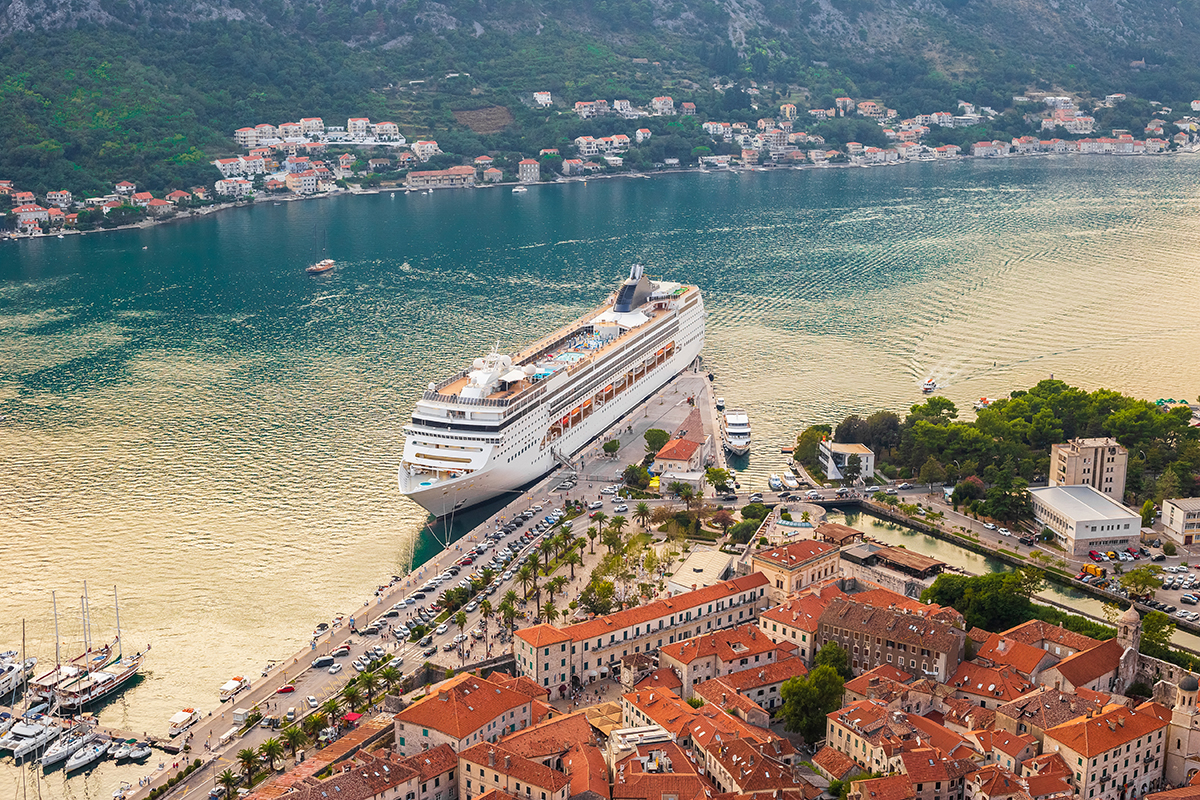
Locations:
column 188, row 416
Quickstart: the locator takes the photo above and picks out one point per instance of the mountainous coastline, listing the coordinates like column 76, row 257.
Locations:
column 100, row 89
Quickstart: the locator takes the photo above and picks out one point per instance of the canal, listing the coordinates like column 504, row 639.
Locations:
column 897, row 535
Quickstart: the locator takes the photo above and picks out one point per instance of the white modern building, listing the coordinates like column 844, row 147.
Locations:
column 704, row 567
column 835, row 455
column 1084, row 518
column 1100, row 462
column 1182, row 518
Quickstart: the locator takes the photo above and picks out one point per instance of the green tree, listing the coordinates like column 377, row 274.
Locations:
column 294, row 738
column 612, row 446
column 598, row 596
column 271, row 750
column 808, row 699
column 549, row 612
column 592, row 533
column 656, row 440
column 618, row 523
column 833, row 655
column 808, row 443
column 546, row 546
column 932, row 472
column 1148, row 514
column 248, row 760
column 723, row 520
column 1157, row 630
column 556, row 585
column 755, row 511
column 1142, row 581
column 718, row 478
column 228, row 782
column 641, row 513
column 573, row 559
column 853, row 469
column 368, row 681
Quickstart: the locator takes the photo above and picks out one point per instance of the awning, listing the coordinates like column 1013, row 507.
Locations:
column 352, row 717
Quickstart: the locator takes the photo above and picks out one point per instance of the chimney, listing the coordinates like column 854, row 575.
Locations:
column 507, row 763
column 491, row 758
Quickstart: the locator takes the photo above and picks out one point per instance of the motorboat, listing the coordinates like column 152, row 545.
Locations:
column 322, row 266
column 789, row 481
column 929, row 385
column 7, row 720
column 720, row 404
column 121, row 750
column 13, row 672
column 233, row 686
column 140, row 752
column 982, row 403
column 183, row 720
column 520, row 190
column 68, row 745
column 88, row 755
column 735, row 432
column 775, row 483
column 34, row 737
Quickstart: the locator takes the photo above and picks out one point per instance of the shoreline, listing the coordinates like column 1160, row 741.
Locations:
column 400, row 189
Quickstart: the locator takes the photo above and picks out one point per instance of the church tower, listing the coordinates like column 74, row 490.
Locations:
column 1129, row 636
column 1183, row 742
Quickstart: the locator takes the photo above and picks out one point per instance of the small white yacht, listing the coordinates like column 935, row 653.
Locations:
column 87, row 755
column 789, row 482
column 735, row 432
column 183, row 720
column 39, row 735
column 68, row 745
column 519, row 190
column 929, row 385
column 775, row 483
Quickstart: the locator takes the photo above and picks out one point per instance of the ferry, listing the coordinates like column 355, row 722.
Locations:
column 324, row 265
column 929, row 385
column 735, row 432
column 183, row 720
column 509, row 419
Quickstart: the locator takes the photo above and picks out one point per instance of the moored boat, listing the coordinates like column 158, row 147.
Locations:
column 519, row 190
column 983, row 403
column 87, row 755
column 68, row 745
column 13, row 672
column 140, row 752
column 183, row 720
column 233, row 686
column 789, row 482
column 735, row 432
column 775, row 483
column 45, row 733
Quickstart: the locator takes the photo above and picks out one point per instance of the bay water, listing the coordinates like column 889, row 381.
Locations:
column 189, row 417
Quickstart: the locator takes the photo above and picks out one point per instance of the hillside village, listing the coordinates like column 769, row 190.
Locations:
column 309, row 157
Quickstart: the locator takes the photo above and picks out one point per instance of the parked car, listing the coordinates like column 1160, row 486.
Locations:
column 989, row 526
column 335, row 669
column 442, row 628
column 905, row 486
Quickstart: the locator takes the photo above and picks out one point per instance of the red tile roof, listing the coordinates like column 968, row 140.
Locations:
column 499, row 758
column 1000, row 684
column 995, row 782
column 678, row 450
column 730, row 644
column 796, row 554
column 661, row 678
column 462, row 705
column 803, row 611
column 1115, row 726
column 761, row 675
column 1037, row 633
column 834, row 763
column 1087, row 665
column 895, row 787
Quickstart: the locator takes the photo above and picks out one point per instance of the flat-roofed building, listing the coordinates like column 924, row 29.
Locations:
column 1100, row 463
column 1083, row 518
column 834, row 457
column 703, row 567
column 1182, row 518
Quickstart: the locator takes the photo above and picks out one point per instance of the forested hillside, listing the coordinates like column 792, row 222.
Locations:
column 151, row 89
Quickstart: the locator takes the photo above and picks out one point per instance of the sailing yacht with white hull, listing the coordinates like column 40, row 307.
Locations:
column 510, row 419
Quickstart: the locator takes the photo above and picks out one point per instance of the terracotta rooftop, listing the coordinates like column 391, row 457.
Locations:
column 894, row 787
column 892, row 624
column 1039, row 634
column 1024, row 658
column 588, row 771
column 678, row 450
column 728, row 644
column 995, row 781
column 552, row 737
column 1113, row 727
column 725, row 697
column 758, row 676
column 462, row 705
column 836, row 764
column 1047, row 708
column 803, row 611
column 661, row 678
column 838, row 534
column 752, row 768
column 1001, row 684
column 1087, row 665
column 520, row 684
column 796, row 554
column 499, row 758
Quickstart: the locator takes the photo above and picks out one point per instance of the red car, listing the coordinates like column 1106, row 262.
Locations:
column 285, row 689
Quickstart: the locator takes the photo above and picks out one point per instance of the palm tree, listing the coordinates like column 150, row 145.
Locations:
column 573, row 558
column 369, row 682
column 592, row 533
column 618, row 523
column 599, row 519
column 510, row 597
column 488, row 573
column 351, row 695
column 687, row 494
column 485, row 611
column 330, row 709
column 508, row 611
column 271, row 750
column 460, row 619
column 390, row 676
column 313, row 723
column 546, row 546
column 641, row 513
column 248, row 758
column 549, row 611
column 556, row 585
column 228, row 782
column 526, row 576
column 293, row 737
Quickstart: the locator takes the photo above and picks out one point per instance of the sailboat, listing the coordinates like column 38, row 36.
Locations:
column 96, row 684
column 322, row 266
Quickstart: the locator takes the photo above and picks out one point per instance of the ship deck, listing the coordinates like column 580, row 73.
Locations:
column 575, row 347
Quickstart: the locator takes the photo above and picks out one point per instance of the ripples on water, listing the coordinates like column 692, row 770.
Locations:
column 217, row 433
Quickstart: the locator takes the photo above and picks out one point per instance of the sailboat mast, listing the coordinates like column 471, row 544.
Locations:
column 57, row 647
column 117, row 603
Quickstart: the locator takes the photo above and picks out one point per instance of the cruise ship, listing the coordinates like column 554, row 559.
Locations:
column 510, row 419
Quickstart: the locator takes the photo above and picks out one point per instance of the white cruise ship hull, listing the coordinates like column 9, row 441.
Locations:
column 494, row 466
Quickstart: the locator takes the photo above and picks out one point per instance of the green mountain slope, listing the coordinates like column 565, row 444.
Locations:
column 150, row 90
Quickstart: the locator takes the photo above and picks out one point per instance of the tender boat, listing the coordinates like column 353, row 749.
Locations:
column 324, row 265
column 775, row 483
column 929, row 385
column 232, row 687
column 519, row 190
column 183, row 720
column 789, row 482
column 735, row 432
column 88, row 755
column 983, row 403
column 720, row 404
column 121, row 750
column 68, row 745
column 140, row 752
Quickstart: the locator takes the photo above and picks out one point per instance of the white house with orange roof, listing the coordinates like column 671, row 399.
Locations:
column 796, row 566
column 229, row 167
column 719, row 653
column 234, row 187
column 304, row 182
column 61, row 198
column 662, row 106
column 425, row 149
column 529, row 171
column 688, row 109
column 642, row 134
column 125, row 187
column 462, row 712
column 141, row 199
column 543, row 99
column 312, row 126
column 795, row 621
column 358, row 127
column 30, row 215
column 264, row 132
column 387, row 132
column 157, row 207
column 246, row 137
column 587, row 650
column 179, row 196
column 1118, row 751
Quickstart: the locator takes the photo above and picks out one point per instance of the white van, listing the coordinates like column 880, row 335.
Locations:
column 595, row 504
column 291, row 714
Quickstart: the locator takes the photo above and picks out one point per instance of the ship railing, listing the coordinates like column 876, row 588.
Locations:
column 466, row 401
column 452, row 379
